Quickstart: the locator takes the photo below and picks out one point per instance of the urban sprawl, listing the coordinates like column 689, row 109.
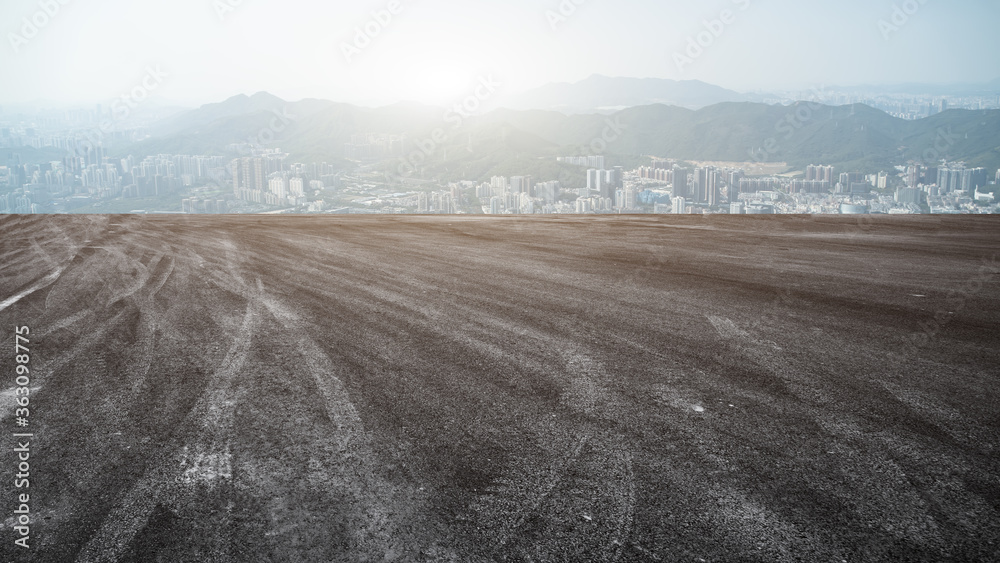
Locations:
column 264, row 180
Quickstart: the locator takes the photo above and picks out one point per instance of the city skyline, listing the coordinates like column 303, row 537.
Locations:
column 379, row 53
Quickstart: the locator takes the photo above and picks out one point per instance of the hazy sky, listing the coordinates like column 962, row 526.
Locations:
column 433, row 50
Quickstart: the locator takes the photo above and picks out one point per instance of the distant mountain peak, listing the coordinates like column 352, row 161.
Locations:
column 231, row 99
column 266, row 96
column 602, row 94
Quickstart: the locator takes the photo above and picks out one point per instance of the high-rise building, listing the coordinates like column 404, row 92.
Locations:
column 908, row 195
column 958, row 178
column 943, row 179
column 679, row 206
column 518, row 184
column 548, row 191
column 596, row 161
column 238, row 180
column 711, row 188
column 972, row 179
column 248, row 173
column 955, row 179
column 631, row 197
column 595, row 178
column 753, row 185
column 259, row 173
column 615, row 176
column 705, row 186
column 681, row 182
column 733, row 181
column 825, row 174
column 278, row 187
column 611, row 180
column 808, row 187
column 913, row 175
column 499, row 184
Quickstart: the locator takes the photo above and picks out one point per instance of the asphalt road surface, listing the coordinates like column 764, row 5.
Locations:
column 460, row 389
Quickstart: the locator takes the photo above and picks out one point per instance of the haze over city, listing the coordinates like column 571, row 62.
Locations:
column 431, row 51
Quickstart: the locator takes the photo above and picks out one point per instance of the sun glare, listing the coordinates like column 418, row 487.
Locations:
column 436, row 83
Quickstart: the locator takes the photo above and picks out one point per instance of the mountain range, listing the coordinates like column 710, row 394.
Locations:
column 504, row 141
column 916, row 89
column 602, row 94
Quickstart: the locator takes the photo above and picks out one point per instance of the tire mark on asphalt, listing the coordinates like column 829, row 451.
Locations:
column 588, row 393
column 555, row 476
column 134, row 273
column 606, row 472
column 161, row 280
column 626, row 519
column 387, row 508
column 142, row 355
column 8, row 400
column 730, row 332
column 9, row 260
column 217, row 407
column 161, row 486
column 42, row 284
column 46, row 257
column 64, row 323
column 68, row 321
column 78, row 269
column 336, row 397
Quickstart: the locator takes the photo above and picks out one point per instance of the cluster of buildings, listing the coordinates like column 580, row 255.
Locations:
column 516, row 195
column 371, row 147
column 956, row 177
column 606, row 191
column 664, row 186
column 93, row 176
column 266, row 179
column 595, row 162
column 706, row 186
column 21, row 203
column 948, row 188
column 87, row 175
column 902, row 105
